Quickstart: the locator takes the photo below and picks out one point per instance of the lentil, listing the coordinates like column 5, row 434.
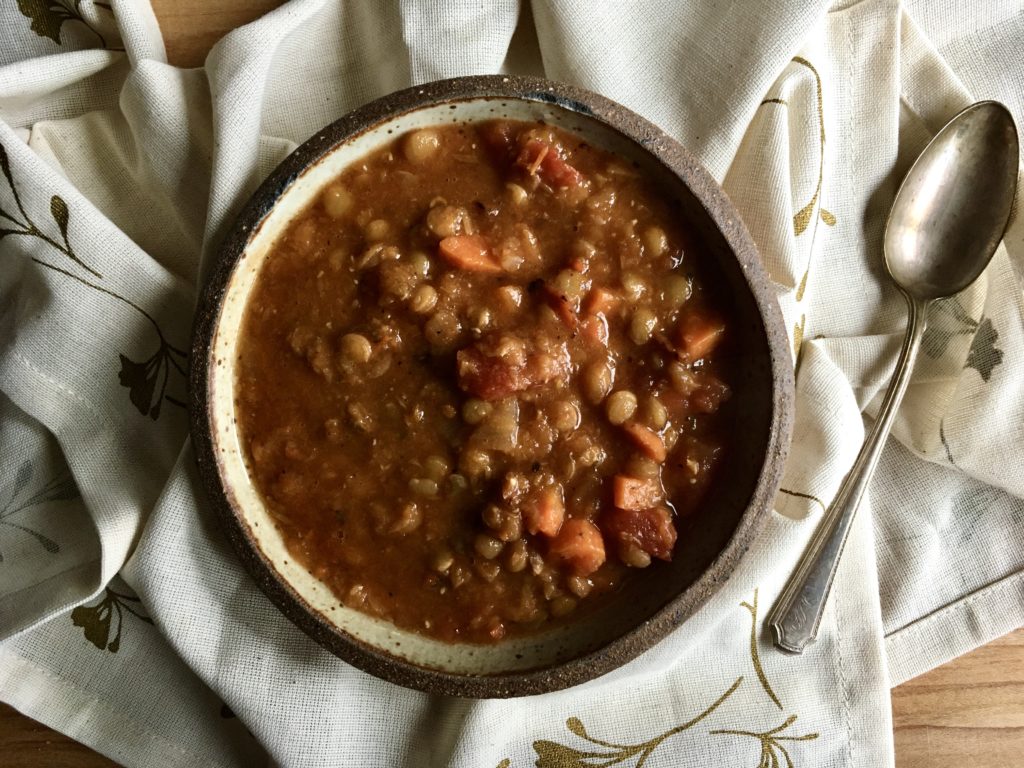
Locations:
column 475, row 410
column 421, row 145
column 641, row 328
column 424, row 299
column 620, row 406
column 487, row 546
column 337, row 201
column 377, row 229
column 655, row 241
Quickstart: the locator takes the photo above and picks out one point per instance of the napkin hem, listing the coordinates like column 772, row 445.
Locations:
column 60, row 704
column 956, row 629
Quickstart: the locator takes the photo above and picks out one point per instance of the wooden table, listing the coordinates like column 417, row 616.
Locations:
column 967, row 712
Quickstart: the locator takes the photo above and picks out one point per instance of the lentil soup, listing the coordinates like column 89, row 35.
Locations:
column 480, row 381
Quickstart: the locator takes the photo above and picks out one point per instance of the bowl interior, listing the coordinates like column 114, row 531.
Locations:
column 650, row 604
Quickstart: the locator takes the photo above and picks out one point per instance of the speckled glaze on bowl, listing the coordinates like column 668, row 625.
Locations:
column 657, row 600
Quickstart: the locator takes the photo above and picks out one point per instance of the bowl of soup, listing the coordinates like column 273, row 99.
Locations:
column 489, row 387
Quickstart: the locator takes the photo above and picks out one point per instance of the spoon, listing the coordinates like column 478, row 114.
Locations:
column 945, row 224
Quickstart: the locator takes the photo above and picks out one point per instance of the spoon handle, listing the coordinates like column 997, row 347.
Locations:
column 797, row 613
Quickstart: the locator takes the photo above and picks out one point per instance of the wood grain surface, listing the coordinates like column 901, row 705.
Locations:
column 969, row 712
column 191, row 27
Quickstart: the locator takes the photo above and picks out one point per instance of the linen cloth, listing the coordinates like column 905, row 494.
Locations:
column 126, row 620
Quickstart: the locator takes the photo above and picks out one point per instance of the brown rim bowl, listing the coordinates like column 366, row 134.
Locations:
column 652, row 604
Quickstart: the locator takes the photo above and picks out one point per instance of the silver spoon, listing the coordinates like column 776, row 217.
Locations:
column 945, row 224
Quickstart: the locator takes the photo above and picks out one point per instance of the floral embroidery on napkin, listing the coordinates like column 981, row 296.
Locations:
column 551, row 754
column 61, row 487
column 97, row 619
column 147, row 381
column 950, row 319
column 755, row 656
column 602, row 753
column 808, row 496
column 771, row 743
column 802, row 218
column 27, row 227
column 48, row 18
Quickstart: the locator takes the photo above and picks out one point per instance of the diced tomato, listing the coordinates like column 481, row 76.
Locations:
column 544, row 512
column 579, row 544
column 634, row 493
column 488, row 377
column 470, row 252
column 562, row 306
column 545, row 161
column 601, row 301
column 532, row 155
column 652, row 529
column 698, row 334
column 647, row 440
column 490, row 371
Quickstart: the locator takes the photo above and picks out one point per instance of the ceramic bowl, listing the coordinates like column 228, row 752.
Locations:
column 656, row 601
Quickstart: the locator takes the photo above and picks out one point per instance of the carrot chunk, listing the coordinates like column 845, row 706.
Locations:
column 562, row 307
column 579, row 545
column 595, row 330
column 469, row 252
column 647, row 440
column 698, row 334
column 634, row 493
column 544, row 512
column 601, row 301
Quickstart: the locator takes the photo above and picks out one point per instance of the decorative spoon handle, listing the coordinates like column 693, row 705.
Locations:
column 797, row 613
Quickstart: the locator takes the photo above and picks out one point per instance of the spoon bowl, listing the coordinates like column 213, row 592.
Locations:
column 951, row 210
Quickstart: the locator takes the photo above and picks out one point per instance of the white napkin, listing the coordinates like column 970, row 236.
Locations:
column 121, row 174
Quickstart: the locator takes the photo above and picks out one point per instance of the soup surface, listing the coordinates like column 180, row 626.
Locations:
column 479, row 380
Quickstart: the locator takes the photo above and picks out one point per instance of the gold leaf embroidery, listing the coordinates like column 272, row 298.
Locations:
column 551, row 754
column 802, row 288
column 802, row 218
column 602, row 753
column 771, row 747
column 755, row 657
column 807, row 496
